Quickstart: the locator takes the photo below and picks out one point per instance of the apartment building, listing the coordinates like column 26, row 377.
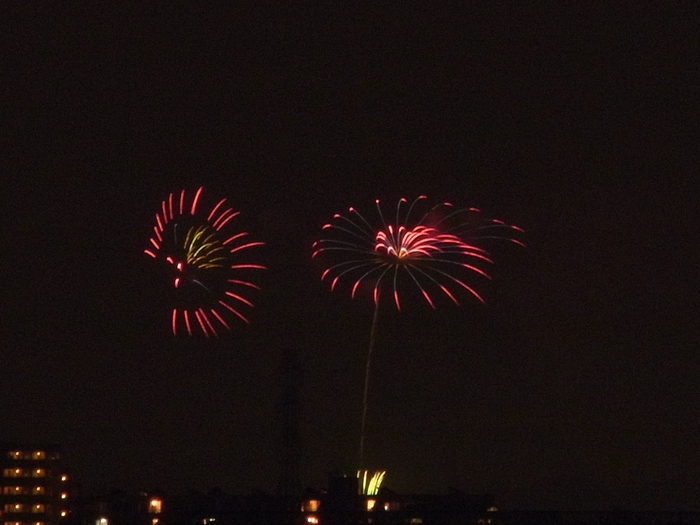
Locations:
column 34, row 487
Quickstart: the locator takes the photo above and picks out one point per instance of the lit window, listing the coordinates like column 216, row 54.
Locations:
column 15, row 454
column 13, row 523
column 38, row 454
column 14, row 490
column 38, row 507
column 102, row 521
column 155, row 521
column 39, row 523
column 371, row 503
column 38, row 490
column 13, row 473
column 64, row 495
column 311, row 519
column 64, row 513
column 155, row 506
column 14, row 507
column 64, row 478
column 38, row 473
column 310, row 505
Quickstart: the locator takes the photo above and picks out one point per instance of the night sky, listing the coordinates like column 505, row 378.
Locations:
column 575, row 386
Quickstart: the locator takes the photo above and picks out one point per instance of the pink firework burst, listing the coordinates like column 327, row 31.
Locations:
column 203, row 251
column 438, row 249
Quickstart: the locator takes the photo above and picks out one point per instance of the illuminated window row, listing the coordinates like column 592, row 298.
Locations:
column 24, row 473
column 23, row 523
column 35, row 508
column 312, row 505
column 23, row 454
column 38, row 490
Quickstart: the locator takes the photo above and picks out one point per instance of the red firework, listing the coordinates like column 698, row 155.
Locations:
column 437, row 250
column 202, row 250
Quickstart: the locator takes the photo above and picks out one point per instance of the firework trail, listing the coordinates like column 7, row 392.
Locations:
column 437, row 251
column 202, row 249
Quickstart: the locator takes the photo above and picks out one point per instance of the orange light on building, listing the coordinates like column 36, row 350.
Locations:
column 310, row 505
column 155, row 506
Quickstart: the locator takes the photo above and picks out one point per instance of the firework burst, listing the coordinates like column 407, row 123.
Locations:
column 437, row 250
column 202, row 250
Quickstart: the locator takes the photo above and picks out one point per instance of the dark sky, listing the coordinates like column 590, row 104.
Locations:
column 575, row 386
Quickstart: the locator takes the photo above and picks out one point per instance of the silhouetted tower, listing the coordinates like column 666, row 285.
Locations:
column 289, row 410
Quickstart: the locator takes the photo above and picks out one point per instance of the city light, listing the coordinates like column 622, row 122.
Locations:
column 155, row 506
column 310, row 505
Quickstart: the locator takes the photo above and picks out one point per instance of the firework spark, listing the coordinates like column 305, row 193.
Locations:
column 437, row 250
column 370, row 482
column 202, row 252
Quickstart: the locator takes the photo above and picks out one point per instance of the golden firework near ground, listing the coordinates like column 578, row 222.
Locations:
column 369, row 482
